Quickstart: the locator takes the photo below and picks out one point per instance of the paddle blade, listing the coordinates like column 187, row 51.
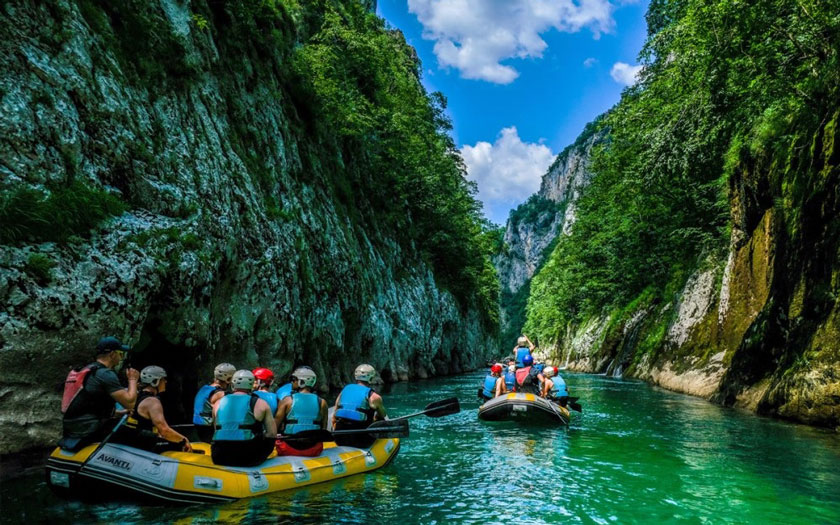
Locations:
column 442, row 408
column 575, row 406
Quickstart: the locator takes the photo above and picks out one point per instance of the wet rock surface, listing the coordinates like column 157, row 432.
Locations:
column 234, row 247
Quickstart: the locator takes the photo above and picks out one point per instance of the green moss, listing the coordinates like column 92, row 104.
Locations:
column 95, row 17
column 39, row 267
column 27, row 214
column 190, row 241
column 275, row 212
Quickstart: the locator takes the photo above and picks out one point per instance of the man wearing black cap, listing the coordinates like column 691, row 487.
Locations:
column 90, row 392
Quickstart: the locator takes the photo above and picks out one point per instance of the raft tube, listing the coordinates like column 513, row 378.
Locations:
column 184, row 477
column 519, row 406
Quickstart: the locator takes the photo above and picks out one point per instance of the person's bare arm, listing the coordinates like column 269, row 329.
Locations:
column 282, row 410
column 500, row 387
column 531, row 345
column 127, row 396
column 152, row 409
column 377, row 404
column 325, row 412
column 216, row 397
column 263, row 413
column 337, row 402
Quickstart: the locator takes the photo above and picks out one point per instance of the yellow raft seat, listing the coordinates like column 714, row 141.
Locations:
column 184, row 477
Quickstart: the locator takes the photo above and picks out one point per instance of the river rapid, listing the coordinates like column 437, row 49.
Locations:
column 637, row 454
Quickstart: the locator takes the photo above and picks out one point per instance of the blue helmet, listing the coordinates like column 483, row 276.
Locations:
column 528, row 360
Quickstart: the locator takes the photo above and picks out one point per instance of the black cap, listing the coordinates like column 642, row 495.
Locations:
column 109, row 344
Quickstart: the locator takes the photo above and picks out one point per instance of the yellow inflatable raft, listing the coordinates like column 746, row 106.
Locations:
column 184, row 477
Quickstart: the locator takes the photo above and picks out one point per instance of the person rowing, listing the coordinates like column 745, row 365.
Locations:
column 510, row 376
column 206, row 399
column 494, row 383
column 554, row 387
column 301, row 412
column 528, row 378
column 523, row 348
column 146, row 427
column 265, row 378
column 356, row 407
column 89, row 395
column 245, row 429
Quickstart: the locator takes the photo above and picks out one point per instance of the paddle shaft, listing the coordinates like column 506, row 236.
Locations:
column 445, row 407
column 326, row 435
column 102, row 443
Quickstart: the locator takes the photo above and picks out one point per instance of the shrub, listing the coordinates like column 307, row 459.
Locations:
column 39, row 267
column 27, row 214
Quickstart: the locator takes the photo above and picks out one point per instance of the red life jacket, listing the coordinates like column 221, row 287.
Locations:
column 522, row 375
column 75, row 383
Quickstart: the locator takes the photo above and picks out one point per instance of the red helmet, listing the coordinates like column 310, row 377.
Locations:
column 264, row 375
column 496, row 369
column 556, row 371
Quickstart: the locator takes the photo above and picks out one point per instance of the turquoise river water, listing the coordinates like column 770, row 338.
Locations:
column 636, row 454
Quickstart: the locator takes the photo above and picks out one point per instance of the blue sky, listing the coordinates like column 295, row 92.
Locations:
column 522, row 78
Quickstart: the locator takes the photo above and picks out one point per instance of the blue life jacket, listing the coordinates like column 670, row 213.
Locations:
column 521, row 352
column 539, row 367
column 283, row 391
column 354, row 403
column 269, row 398
column 235, row 419
column 304, row 413
column 202, row 409
column 510, row 380
column 558, row 388
column 489, row 389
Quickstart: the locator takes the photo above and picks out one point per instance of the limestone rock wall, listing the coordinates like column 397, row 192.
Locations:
column 528, row 242
column 203, row 267
column 758, row 328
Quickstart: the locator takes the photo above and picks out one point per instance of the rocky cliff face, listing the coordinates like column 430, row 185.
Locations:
column 532, row 228
column 758, row 328
column 202, row 267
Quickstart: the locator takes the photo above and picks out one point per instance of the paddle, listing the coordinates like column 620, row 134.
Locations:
column 441, row 408
column 380, row 429
column 574, row 405
column 102, row 443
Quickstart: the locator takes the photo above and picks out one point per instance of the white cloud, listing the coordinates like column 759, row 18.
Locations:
column 473, row 36
column 625, row 73
column 589, row 62
column 507, row 171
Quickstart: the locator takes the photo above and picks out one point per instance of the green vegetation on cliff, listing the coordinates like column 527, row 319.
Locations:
column 731, row 110
column 63, row 210
column 361, row 83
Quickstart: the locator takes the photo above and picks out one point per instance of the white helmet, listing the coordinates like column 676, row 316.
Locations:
column 151, row 375
column 305, row 376
column 224, row 372
column 512, row 368
column 243, row 380
column 522, row 341
column 364, row 373
column 548, row 371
